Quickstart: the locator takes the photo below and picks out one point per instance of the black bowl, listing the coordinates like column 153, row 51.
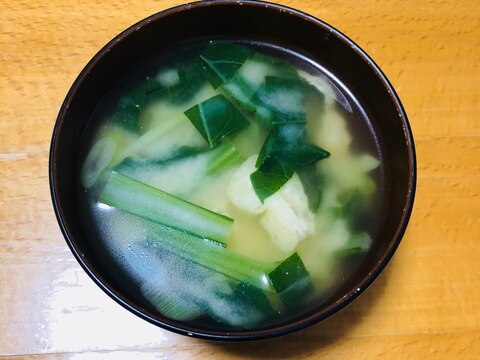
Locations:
column 259, row 21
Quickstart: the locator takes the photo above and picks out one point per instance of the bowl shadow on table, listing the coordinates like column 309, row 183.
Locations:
column 322, row 334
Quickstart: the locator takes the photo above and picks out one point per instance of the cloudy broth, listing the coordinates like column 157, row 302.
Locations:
column 183, row 197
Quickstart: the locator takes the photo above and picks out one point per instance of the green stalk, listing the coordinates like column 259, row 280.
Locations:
column 153, row 135
column 291, row 281
column 211, row 256
column 222, row 158
column 156, row 205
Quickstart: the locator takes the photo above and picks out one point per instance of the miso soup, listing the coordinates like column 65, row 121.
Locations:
column 230, row 185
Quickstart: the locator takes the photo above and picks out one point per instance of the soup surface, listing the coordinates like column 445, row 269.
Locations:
column 230, row 185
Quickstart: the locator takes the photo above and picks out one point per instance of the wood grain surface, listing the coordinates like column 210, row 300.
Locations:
column 425, row 305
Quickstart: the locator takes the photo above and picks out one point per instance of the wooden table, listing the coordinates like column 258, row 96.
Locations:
column 425, row 305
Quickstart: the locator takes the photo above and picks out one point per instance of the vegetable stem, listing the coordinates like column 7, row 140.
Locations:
column 156, row 205
column 149, row 137
column 211, row 256
column 222, row 158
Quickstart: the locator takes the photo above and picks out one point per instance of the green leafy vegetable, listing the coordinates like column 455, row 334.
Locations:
column 188, row 85
column 268, row 149
column 129, row 108
column 223, row 158
column 178, row 81
column 358, row 243
column 352, row 201
column 305, row 155
column 271, row 176
column 178, row 164
column 284, row 140
column 170, row 304
column 291, row 280
column 280, row 106
column 279, row 67
column 312, row 183
column 284, row 151
column 171, row 132
column 280, row 101
column 242, row 92
column 256, row 298
column 352, row 208
column 218, row 159
column 211, row 256
column 216, row 118
column 153, row 204
column 243, row 86
column 131, row 165
column 220, row 61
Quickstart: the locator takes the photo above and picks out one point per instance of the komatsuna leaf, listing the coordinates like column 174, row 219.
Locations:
column 221, row 60
column 242, row 91
column 277, row 169
column 282, row 140
column 313, row 184
column 284, row 152
column 306, row 154
column 247, row 80
column 271, row 176
column 292, row 281
column 254, row 297
column 358, row 244
column 272, row 179
column 267, row 150
column 289, row 143
column 190, row 80
column 280, row 101
column 278, row 66
column 129, row 107
column 216, row 118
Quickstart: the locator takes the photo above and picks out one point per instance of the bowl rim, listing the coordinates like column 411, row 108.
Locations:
column 275, row 330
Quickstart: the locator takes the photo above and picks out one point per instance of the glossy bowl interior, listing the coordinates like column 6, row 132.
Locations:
column 262, row 22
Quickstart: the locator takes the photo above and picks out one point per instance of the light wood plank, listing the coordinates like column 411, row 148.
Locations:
column 463, row 345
